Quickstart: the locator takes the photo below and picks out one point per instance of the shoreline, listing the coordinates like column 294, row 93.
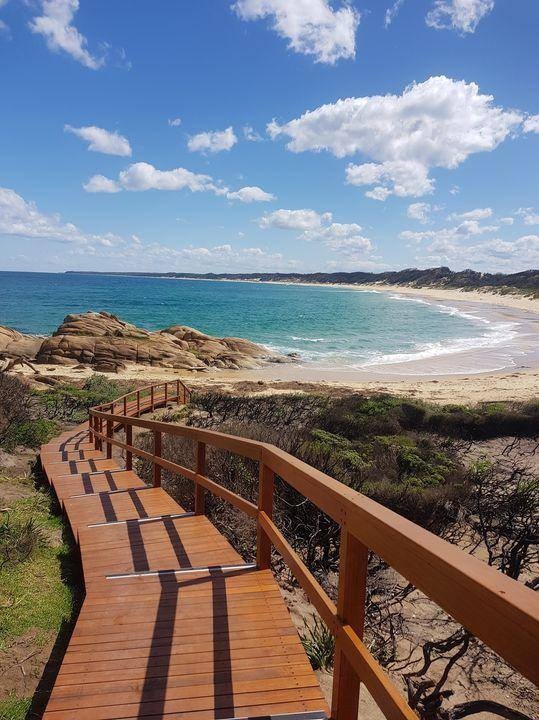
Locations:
column 487, row 297
column 505, row 386
column 505, row 371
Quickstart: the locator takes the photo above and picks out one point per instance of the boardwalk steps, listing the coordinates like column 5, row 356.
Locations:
column 174, row 624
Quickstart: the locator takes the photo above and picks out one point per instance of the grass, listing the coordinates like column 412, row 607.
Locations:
column 14, row 708
column 33, row 594
column 319, row 644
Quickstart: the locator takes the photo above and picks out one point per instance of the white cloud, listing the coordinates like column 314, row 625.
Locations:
column 143, row 176
column 455, row 190
column 391, row 12
column 101, row 184
column 175, row 122
column 405, row 178
column 420, row 211
column 437, row 123
column 101, row 140
column 22, row 219
column 460, row 15
column 55, row 25
column 344, row 238
column 250, row 194
column 496, row 254
column 528, row 215
column 463, row 231
column 294, row 219
column 212, row 142
column 312, row 27
column 507, row 220
column 5, row 30
column 531, row 124
column 250, row 134
column 477, row 214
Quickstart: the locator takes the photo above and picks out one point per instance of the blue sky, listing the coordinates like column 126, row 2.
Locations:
column 212, row 135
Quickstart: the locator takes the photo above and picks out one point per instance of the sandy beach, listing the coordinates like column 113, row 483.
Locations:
column 433, row 379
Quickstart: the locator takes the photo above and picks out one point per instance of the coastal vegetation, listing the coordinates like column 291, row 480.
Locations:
column 526, row 282
column 469, row 474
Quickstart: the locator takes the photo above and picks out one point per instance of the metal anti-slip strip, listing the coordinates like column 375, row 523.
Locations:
column 112, row 492
column 181, row 571
column 284, row 716
column 154, row 518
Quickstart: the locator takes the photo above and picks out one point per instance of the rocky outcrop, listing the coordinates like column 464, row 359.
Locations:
column 109, row 344
column 14, row 344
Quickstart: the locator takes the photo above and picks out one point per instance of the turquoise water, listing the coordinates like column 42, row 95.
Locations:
column 329, row 326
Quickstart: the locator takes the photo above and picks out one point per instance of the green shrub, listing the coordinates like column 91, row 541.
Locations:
column 70, row 403
column 31, row 433
column 18, row 539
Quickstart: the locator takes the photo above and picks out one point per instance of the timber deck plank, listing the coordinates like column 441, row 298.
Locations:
column 173, row 625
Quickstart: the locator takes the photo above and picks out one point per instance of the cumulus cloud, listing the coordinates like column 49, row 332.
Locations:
column 294, row 219
column 531, row 124
column 494, row 254
column 213, row 141
column 345, row 238
column 391, row 12
column 312, row 27
column 101, row 184
column 21, row 218
column 250, row 134
column 528, row 215
column 250, row 194
column 507, row 220
column 460, row 15
column 101, row 140
column 142, row 176
column 175, row 122
column 55, row 25
column 436, row 123
column 420, row 211
column 476, row 214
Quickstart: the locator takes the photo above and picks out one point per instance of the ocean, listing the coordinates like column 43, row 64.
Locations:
column 329, row 327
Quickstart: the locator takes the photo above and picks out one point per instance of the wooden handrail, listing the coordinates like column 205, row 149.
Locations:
column 502, row 612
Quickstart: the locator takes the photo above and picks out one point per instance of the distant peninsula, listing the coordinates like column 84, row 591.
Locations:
column 526, row 282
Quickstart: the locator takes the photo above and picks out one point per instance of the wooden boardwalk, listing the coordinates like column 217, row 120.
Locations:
column 174, row 624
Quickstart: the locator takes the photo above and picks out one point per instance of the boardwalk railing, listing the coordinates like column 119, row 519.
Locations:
column 501, row 612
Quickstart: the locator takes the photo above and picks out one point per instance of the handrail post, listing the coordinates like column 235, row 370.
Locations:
column 201, row 470
column 177, row 391
column 100, row 430
column 128, row 441
column 125, row 404
column 184, row 394
column 109, row 435
column 97, row 440
column 138, row 403
column 266, row 485
column 351, row 611
column 151, row 398
column 157, row 450
column 166, row 392
column 90, row 428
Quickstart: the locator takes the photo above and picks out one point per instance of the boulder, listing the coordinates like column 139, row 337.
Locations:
column 14, row 344
column 106, row 343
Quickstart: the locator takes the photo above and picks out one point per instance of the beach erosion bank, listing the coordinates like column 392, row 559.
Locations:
column 436, row 378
